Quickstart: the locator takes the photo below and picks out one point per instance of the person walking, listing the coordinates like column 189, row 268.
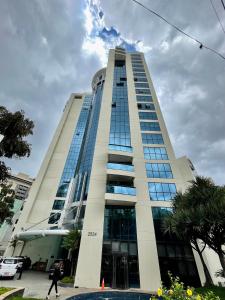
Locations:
column 20, row 269
column 55, row 278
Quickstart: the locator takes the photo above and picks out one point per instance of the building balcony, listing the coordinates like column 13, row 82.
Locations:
column 120, row 195
column 118, row 153
column 120, row 172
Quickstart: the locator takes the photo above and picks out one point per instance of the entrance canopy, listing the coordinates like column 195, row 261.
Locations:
column 34, row 234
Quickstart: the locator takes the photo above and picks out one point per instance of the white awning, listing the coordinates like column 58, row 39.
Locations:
column 33, row 234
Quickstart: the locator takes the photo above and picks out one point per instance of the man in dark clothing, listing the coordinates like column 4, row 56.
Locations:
column 20, row 269
column 55, row 278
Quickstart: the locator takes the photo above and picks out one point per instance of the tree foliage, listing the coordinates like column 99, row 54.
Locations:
column 72, row 240
column 13, row 127
column 7, row 196
column 199, row 214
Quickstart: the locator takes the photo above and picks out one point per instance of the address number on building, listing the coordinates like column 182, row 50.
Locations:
column 92, row 233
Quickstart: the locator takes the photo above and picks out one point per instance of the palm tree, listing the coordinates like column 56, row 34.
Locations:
column 182, row 223
column 71, row 242
column 209, row 198
column 199, row 214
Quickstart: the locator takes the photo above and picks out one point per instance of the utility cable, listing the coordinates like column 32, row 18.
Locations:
column 201, row 45
column 223, row 4
column 217, row 16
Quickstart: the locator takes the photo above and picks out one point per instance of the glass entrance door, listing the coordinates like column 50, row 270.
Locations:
column 120, row 271
column 119, row 252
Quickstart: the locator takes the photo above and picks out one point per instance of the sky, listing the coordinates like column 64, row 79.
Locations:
column 50, row 49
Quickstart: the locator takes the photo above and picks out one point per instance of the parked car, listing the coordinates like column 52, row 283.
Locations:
column 9, row 266
column 25, row 260
column 52, row 268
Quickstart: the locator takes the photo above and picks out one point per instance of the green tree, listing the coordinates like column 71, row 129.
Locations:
column 7, row 196
column 71, row 242
column 209, row 199
column 13, row 128
column 200, row 213
column 182, row 223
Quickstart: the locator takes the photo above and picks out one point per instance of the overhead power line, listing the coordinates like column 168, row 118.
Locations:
column 223, row 4
column 218, row 18
column 201, row 45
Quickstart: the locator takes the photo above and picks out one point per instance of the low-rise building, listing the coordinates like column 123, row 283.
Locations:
column 21, row 184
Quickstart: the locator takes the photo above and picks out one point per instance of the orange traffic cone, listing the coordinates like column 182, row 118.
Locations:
column 103, row 284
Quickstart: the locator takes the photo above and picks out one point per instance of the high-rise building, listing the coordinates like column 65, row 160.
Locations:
column 21, row 184
column 111, row 171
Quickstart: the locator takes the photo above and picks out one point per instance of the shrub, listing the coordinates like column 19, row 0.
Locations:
column 68, row 279
column 177, row 291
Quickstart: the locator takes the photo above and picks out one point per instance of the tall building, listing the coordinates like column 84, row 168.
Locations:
column 21, row 184
column 111, row 170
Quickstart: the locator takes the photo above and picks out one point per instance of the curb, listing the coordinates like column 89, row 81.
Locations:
column 12, row 293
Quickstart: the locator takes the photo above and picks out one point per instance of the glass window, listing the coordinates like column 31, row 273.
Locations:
column 139, row 74
column 142, row 84
column 155, row 153
column 159, row 213
column 150, row 126
column 158, row 170
column 58, row 204
column 141, row 98
column 159, row 191
column 143, row 91
column 148, row 116
column 140, row 69
column 146, row 106
column 140, row 79
column 152, row 138
column 117, row 189
column 54, row 217
column 117, row 166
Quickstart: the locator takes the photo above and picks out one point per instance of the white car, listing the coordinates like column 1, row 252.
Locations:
column 9, row 266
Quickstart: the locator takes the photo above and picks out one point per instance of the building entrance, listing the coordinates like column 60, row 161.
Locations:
column 120, row 271
column 119, row 253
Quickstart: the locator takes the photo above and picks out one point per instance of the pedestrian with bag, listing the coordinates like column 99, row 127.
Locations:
column 55, row 278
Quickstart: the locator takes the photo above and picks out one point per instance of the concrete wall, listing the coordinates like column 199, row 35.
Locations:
column 42, row 194
column 90, row 254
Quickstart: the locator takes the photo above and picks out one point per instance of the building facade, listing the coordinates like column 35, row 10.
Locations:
column 21, row 184
column 111, row 171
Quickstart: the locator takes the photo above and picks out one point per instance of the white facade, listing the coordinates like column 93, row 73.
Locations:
column 101, row 169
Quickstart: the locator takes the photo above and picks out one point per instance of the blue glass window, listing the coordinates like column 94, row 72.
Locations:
column 152, row 138
column 147, row 115
column 159, row 191
column 124, row 190
column 120, row 126
column 121, row 148
column 150, row 126
column 158, row 170
column 141, row 84
column 58, row 204
column 146, row 106
column 75, row 148
column 124, row 167
column 143, row 91
column 155, row 153
column 141, row 98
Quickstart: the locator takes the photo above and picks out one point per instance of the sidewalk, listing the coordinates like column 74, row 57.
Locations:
column 37, row 285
